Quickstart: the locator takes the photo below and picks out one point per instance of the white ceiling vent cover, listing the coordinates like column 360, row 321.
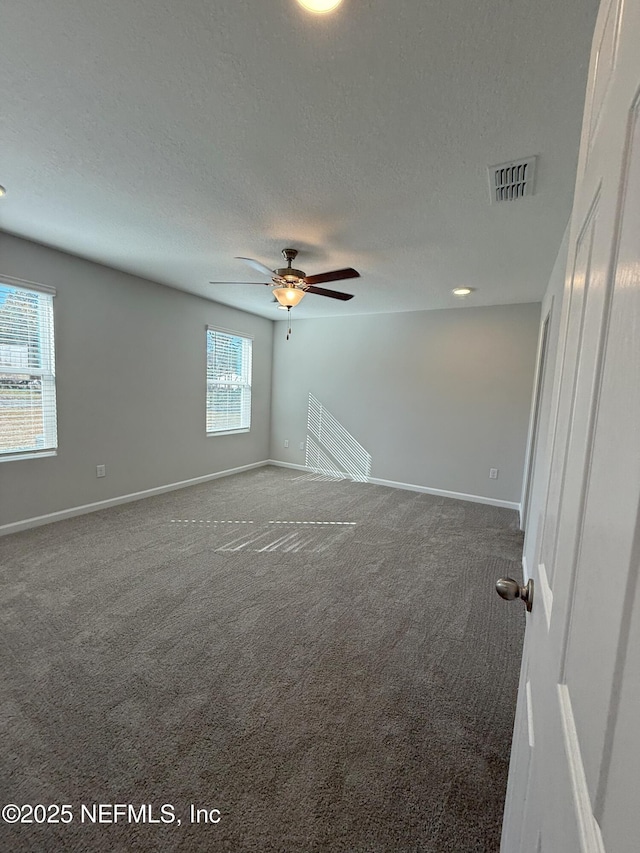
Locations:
column 511, row 181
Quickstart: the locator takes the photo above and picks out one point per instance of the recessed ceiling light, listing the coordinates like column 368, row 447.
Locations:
column 320, row 5
column 2, row 191
column 462, row 291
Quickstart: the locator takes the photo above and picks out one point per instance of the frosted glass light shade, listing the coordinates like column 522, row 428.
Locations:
column 288, row 296
column 320, row 5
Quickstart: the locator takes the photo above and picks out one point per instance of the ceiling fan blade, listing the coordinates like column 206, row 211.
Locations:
column 334, row 294
column 257, row 266
column 266, row 283
column 335, row 275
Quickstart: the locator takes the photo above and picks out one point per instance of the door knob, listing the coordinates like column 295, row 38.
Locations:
column 509, row 589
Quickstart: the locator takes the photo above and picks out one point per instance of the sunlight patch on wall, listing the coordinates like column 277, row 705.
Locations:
column 331, row 450
column 320, row 463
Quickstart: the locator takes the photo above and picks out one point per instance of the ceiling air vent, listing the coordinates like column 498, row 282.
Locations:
column 511, row 181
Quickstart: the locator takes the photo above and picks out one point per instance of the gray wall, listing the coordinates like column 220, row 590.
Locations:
column 436, row 397
column 130, row 359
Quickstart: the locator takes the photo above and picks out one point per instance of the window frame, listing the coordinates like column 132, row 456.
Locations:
column 245, row 382
column 46, row 372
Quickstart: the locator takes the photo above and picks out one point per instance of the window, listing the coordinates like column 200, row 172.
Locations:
column 27, row 370
column 228, row 382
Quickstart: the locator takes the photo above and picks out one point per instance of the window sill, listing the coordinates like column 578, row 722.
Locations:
column 14, row 457
column 227, row 432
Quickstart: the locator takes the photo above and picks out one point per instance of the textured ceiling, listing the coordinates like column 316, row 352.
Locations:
column 165, row 138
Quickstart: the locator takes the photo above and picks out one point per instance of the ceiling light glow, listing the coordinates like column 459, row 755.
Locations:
column 320, row 5
column 2, row 191
column 462, row 291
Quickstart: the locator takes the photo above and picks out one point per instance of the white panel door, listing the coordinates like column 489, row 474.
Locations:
column 575, row 767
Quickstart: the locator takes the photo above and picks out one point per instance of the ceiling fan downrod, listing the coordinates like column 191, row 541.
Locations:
column 290, row 275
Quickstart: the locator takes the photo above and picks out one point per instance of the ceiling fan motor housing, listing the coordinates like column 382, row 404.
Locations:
column 290, row 275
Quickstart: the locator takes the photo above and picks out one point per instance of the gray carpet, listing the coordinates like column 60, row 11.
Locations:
column 326, row 687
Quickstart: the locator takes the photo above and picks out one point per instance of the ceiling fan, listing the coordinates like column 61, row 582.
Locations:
column 291, row 285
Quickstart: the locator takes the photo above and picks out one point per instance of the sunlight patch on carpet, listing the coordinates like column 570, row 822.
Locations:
column 316, row 536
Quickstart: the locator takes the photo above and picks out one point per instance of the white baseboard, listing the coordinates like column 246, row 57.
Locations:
column 458, row 496
column 38, row 520
column 279, row 464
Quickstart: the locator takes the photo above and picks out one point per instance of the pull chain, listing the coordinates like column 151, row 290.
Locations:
column 289, row 317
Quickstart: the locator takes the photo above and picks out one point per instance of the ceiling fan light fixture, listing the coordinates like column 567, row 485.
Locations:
column 320, row 5
column 288, row 297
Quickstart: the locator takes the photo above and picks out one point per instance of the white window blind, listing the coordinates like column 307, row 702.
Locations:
column 27, row 371
column 228, row 382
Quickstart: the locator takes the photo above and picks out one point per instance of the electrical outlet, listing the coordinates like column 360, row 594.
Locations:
column 301, row 445
column 101, row 470
column 286, row 442
column 493, row 473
